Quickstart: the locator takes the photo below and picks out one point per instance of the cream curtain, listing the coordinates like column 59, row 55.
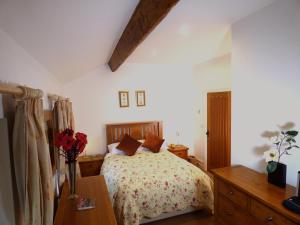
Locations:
column 63, row 115
column 63, row 118
column 32, row 161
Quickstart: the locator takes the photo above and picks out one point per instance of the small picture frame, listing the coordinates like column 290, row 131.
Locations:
column 140, row 98
column 124, row 99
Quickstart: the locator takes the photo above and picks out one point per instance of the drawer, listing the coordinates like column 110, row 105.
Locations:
column 233, row 194
column 264, row 215
column 230, row 213
column 195, row 162
column 85, row 172
column 181, row 154
column 198, row 164
column 90, row 168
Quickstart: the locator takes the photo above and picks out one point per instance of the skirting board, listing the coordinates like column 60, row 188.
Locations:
column 169, row 215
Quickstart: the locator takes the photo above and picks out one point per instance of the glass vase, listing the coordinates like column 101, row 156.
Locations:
column 72, row 180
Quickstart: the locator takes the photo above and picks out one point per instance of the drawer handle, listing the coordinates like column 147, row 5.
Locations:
column 269, row 219
column 228, row 214
column 230, row 193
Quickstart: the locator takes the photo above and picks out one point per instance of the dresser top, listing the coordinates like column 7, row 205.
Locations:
column 89, row 187
column 90, row 158
column 177, row 148
column 256, row 185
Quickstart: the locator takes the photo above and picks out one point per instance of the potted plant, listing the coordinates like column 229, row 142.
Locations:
column 284, row 143
column 70, row 147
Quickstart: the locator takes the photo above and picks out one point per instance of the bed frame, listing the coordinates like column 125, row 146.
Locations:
column 138, row 130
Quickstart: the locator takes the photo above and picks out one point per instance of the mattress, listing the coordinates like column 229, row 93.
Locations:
column 147, row 185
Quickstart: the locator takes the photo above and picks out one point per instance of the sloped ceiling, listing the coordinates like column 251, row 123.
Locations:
column 71, row 37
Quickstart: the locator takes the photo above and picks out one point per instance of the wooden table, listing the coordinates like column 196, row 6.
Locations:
column 90, row 187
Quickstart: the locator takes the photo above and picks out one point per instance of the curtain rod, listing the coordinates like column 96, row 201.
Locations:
column 6, row 88
column 56, row 97
column 10, row 89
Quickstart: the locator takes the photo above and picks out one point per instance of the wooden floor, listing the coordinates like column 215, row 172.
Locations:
column 195, row 218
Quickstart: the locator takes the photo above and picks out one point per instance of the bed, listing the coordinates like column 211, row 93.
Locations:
column 150, row 186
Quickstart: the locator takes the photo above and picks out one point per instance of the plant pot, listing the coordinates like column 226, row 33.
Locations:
column 278, row 177
column 72, row 180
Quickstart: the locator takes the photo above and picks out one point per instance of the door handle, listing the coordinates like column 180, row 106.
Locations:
column 207, row 133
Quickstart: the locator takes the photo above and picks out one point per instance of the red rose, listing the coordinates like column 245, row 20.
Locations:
column 81, row 137
column 68, row 142
column 68, row 132
column 81, row 146
column 71, row 146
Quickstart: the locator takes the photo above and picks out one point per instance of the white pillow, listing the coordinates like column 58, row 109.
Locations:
column 116, row 151
column 164, row 146
column 112, row 146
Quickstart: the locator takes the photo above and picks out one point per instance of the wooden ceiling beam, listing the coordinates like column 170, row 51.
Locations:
column 147, row 15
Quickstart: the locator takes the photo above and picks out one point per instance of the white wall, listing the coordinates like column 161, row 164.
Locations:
column 211, row 76
column 266, row 79
column 169, row 97
column 17, row 66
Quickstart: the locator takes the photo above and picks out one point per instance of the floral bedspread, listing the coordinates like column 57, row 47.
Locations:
column 148, row 184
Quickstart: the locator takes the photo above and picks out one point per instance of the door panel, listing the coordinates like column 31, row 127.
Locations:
column 218, row 129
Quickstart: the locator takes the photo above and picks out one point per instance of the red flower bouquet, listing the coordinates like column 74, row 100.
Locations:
column 70, row 146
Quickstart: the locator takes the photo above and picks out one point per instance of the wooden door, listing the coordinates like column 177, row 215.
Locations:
column 218, row 130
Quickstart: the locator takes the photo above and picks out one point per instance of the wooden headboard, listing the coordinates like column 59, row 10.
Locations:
column 138, row 130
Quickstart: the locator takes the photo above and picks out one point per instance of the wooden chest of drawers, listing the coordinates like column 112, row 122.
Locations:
column 244, row 197
column 196, row 162
column 90, row 165
column 179, row 150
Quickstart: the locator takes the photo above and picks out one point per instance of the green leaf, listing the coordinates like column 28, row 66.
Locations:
column 288, row 140
column 271, row 167
column 295, row 146
column 277, row 143
column 292, row 133
column 289, row 148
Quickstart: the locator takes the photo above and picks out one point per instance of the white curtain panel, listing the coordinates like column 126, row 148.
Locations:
column 63, row 118
column 32, row 161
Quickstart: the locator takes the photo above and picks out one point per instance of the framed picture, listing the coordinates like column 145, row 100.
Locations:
column 140, row 98
column 124, row 98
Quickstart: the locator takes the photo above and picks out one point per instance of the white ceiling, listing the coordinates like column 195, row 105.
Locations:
column 71, row 37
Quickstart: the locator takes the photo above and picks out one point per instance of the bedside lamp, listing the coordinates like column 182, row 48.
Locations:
column 177, row 137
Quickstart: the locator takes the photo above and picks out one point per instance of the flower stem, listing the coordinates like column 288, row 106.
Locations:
column 279, row 148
